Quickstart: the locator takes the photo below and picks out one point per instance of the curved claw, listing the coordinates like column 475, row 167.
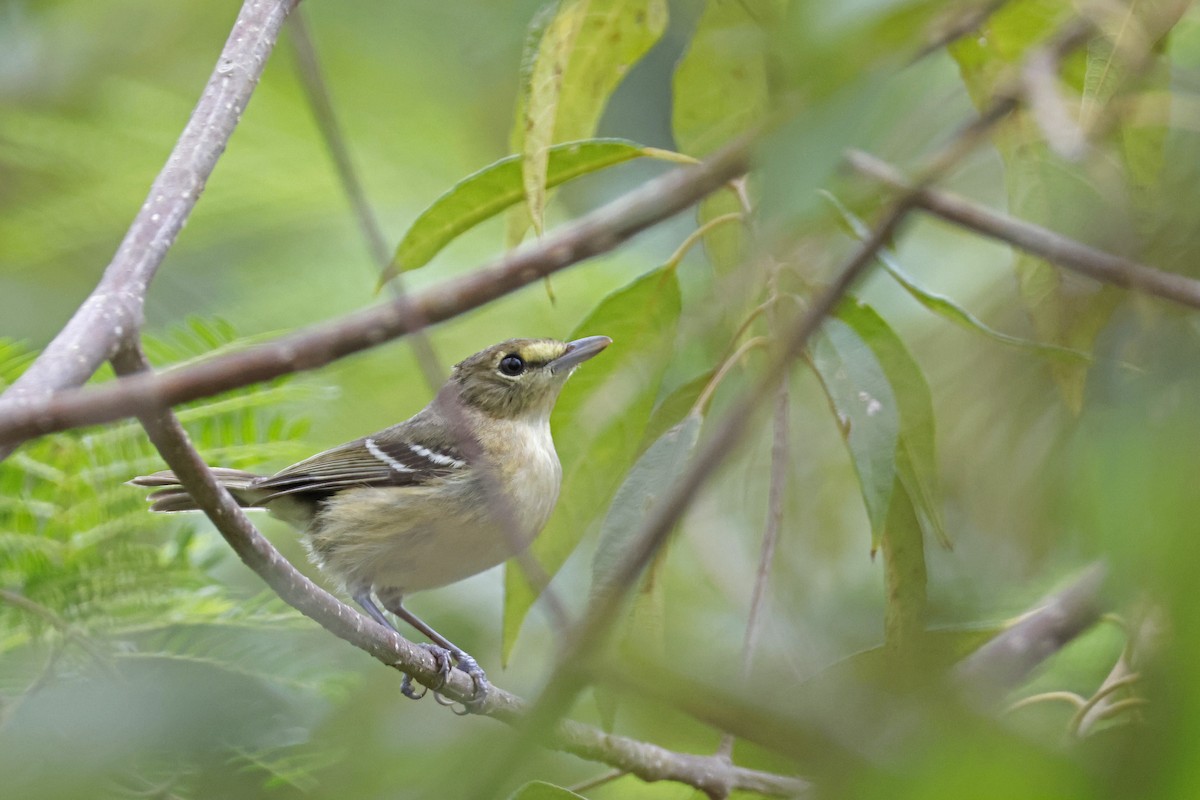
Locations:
column 479, row 678
column 406, row 688
column 441, row 657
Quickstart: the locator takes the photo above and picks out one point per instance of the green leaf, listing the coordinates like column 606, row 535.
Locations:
column 540, row 790
column 580, row 57
column 720, row 86
column 916, row 458
column 494, row 188
column 651, row 477
column 867, row 413
column 599, row 422
column 720, row 91
column 674, row 407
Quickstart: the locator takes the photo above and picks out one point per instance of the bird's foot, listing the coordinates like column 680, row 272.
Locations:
column 470, row 666
column 442, row 658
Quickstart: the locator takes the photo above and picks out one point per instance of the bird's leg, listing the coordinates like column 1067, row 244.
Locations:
column 462, row 660
column 440, row 655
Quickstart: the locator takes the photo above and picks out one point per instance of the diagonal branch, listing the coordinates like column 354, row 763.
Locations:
column 1054, row 247
column 596, row 233
column 1006, row 660
column 114, row 309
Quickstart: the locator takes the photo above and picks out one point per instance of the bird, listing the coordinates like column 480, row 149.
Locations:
column 461, row 486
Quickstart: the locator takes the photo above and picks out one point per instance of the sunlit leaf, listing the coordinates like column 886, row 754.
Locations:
column 720, row 91
column 599, row 422
column 574, row 61
column 498, row 186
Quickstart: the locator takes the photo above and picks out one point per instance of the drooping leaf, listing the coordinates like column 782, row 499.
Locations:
column 574, row 61
column 916, row 459
column 886, row 413
column 483, row 194
column 599, row 422
column 651, row 477
column 867, row 412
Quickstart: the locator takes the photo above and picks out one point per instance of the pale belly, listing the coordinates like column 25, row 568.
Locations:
column 380, row 538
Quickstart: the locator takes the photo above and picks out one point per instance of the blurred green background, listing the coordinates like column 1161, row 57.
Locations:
column 204, row 687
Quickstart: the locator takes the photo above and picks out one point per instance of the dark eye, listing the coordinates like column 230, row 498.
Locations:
column 512, row 365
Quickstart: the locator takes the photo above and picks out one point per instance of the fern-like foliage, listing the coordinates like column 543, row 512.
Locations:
column 89, row 579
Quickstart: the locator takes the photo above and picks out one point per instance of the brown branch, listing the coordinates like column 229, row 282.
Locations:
column 1054, row 247
column 649, row 762
column 1006, row 660
column 596, row 233
column 113, row 312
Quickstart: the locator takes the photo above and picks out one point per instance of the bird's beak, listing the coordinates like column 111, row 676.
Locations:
column 577, row 352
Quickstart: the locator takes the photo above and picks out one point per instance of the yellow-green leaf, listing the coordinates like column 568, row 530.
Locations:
column 498, row 186
column 572, row 66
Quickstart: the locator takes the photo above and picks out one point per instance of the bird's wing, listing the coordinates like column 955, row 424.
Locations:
column 389, row 458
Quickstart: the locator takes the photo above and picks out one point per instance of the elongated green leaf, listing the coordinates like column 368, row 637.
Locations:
column 540, row 790
column 498, row 186
column 652, row 476
column 916, row 458
column 582, row 53
column 599, row 423
column 867, row 412
column 541, row 107
column 945, row 307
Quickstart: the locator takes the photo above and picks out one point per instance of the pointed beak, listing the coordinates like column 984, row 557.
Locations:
column 577, row 352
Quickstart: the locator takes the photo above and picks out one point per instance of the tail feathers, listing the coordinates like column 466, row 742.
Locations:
column 170, row 496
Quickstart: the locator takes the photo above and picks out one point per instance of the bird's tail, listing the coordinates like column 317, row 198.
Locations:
column 170, row 496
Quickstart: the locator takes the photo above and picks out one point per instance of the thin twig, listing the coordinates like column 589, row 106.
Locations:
column 1054, row 247
column 113, row 311
column 598, row 232
column 598, row 781
column 316, row 90
column 780, row 465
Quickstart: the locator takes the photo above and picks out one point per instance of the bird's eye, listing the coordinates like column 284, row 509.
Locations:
column 512, row 365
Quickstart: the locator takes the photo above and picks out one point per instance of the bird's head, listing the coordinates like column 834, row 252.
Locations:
column 521, row 377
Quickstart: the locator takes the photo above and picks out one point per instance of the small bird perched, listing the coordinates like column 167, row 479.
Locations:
column 460, row 487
